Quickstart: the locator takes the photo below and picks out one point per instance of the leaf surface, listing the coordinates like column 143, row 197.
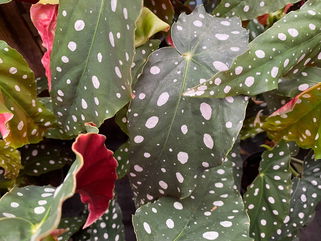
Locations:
column 214, row 211
column 267, row 199
column 162, row 122
column 91, row 61
column 162, row 8
column 280, row 50
column 10, row 160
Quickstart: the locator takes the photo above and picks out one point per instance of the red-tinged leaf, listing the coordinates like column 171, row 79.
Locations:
column 44, row 18
column 96, row 179
column 5, row 117
column 298, row 120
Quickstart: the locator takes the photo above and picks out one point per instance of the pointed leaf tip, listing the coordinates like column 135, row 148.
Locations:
column 96, row 179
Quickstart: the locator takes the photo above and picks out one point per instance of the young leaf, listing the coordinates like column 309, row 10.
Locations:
column 298, row 120
column 147, row 25
column 281, row 49
column 248, row 9
column 163, row 9
column 33, row 212
column 10, row 160
column 107, row 227
column 305, row 197
column 161, row 121
column 23, row 118
column 214, row 211
column 44, row 18
column 46, row 156
column 267, row 198
column 91, row 60
column 294, row 84
column 96, row 179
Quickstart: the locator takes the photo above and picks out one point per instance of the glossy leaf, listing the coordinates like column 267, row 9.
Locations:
column 107, row 227
column 96, row 179
column 305, row 197
column 162, row 8
column 33, row 212
column 123, row 162
column 281, row 49
column 162, row 122
column 147, row 25
column 23, row 119
column 10, row 160
column 267, row 198
column 293, row 85
column 44, row 18
column 46, row 156
column 248, row 9
column 91, row 61
column 298, row 120
column 214, row 211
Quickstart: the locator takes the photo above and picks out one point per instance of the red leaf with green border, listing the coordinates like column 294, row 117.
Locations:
column 96, row 179
column 298, row 120
column 44, row 18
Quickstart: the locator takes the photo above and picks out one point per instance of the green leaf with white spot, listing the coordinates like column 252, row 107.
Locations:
column 147, row 25
column 305, row 197
column 10, row 161
column 161, row 121
column 122, row 158
column 108, row 227
column 46, row 156
column 214, row 211
column 249, row 9
column 237, row 162
column 267, row 199
column 163, row 9
column 298, row 120
column 23, row 118
column 294, row 84
column 71, row 225
column 32, row 212
column 282, row 49
column 252, row 126
column 255, row 28
column 91, row 61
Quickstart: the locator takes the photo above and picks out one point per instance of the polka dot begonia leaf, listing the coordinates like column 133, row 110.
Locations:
column 248, row 9
column 305, row 197
column 46, row 156
column 162, row 8
column 237, row 162
column 252, row 126
column 298, row 120
column 123, row 162
column 107, row 227
column 23, row 119
column 255, row 28
column 280, row 50
column 214, row 211
column 147, row 25
column 10, row 161
column 32, row 212
column 71, row 225
column 293, row 85
column 174, row 138
column 267, row 198
column 91, row 61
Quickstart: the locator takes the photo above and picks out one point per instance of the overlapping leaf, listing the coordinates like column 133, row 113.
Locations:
column 299, row 120
column 162, row 8
column 248, row 9
column 173, row 138
column 214, row 211
column 10, row 160
column 46, row 156
column 108, row 227
column 280, row 50
column 305, row 197
column 91, row 61
column 293, row 85
column 32, row 212
column 23, row 119
column 268, row 198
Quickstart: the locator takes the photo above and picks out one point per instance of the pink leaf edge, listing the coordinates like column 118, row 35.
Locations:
column 4, row 119
column 96, row 179
column 44, row 18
